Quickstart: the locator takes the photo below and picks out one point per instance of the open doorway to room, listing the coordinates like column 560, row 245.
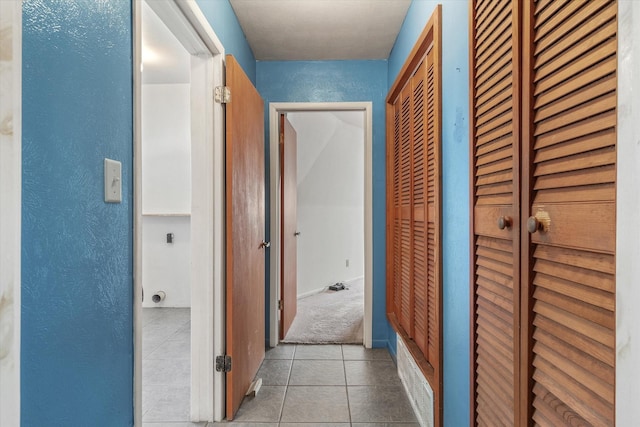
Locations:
column 333, row 228
column 166, row 223
column 179, row 193
column 329, row 226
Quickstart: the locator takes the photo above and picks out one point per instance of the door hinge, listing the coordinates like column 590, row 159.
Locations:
column 223, row 363
column 222, row 94
column 280, row 304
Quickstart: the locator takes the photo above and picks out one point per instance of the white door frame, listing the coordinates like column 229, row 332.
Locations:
column 10, row 212
column 275, row 109
column 187, row 22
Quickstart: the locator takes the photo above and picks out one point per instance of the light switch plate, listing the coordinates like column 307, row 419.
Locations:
column 112, row 181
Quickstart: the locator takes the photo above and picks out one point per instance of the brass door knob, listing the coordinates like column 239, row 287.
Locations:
column 533, row 224
column 504, row 222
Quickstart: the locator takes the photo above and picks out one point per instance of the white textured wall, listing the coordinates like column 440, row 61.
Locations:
column 166, row 266
column 166, row 191
column 628, row 224
column 330, row 197
column 10, row 209
column 166, row 148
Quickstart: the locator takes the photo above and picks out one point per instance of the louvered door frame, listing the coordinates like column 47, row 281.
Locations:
column 414, row 297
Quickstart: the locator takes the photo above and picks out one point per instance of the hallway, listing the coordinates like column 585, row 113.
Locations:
column 338, row 385
column 311, row 385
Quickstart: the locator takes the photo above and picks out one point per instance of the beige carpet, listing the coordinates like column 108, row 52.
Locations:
column 330, row 317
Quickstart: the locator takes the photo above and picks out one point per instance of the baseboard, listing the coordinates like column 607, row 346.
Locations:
column 379, row 343
column 313, row 292
column 354, row 279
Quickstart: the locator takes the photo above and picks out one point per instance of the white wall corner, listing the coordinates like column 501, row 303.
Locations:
column 628, row 206
column 10, row 209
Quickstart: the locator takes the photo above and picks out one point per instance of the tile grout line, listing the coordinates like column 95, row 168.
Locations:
column 346, row 385
column 286, row 388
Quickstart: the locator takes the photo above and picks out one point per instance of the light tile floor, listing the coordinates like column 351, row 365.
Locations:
column 166, row 366
column 327, row 385
column 302, row 385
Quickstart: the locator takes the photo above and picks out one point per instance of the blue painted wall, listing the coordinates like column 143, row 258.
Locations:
column 455, row 191
column 339, row 81
column 77, row 315
column 224, row 22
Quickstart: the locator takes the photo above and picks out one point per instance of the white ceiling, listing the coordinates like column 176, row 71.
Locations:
column 284, row 30
column 320, row 29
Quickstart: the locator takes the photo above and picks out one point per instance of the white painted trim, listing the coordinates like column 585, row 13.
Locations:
column 185, row 19
column 275, row 108
column 10, row 214
column 628, row 206
column 313, row 292
column 137, row 213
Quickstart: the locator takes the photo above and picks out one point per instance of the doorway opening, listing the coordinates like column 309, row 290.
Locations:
column 166, row 223
column 292, row 109
column 328, row 226
column 178, row 220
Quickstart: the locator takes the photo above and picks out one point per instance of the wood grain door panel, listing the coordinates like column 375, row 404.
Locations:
column 245, row 226
column 289, row 192
column 495, row 183
column 544, row 126
column 571, row 156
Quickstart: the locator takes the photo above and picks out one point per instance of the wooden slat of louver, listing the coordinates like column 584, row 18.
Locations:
column 495, row 191
column 554, row 29
column 572, row 144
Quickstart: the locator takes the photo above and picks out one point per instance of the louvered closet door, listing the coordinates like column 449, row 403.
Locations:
column 395, row 274
column 495, row 183
column 406, row 253
column 420, row 270
column 415, row 234
column 573, row 168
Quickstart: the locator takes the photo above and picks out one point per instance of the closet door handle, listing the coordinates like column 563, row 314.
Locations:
column 265, row 245
column 504, row 222
column 539, row 222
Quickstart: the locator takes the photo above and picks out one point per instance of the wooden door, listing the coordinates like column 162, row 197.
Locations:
column 544, row 313
column 569, row 195
column 495, row 239
column 245, row 224
column 288, row 225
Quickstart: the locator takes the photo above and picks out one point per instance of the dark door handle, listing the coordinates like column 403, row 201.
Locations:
column 504, row 222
